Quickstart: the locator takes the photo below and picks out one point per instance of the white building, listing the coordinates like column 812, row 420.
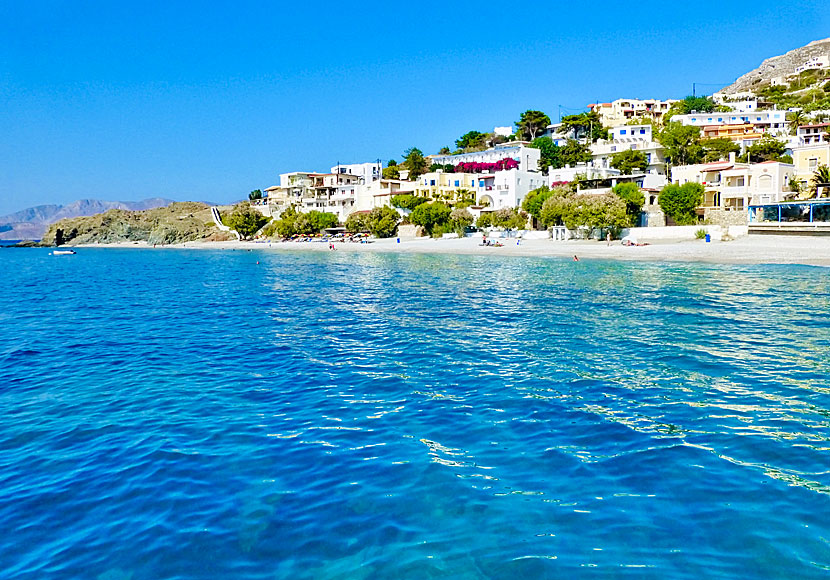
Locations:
column 731, row 185
column 503, row 189
column 622, row 111
column 816, row 62
column 773, row 121
column 526, row 157
column 813, row 134
column 367, row 171
column 634, row 138
column 328, row 192
column 379, row 193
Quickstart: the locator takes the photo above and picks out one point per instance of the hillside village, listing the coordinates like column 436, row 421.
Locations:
column 756, row 152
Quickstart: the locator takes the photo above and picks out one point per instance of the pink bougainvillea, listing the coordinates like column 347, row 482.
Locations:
column 474, row 167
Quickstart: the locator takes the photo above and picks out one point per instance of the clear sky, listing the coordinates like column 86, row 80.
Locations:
column 208, row 101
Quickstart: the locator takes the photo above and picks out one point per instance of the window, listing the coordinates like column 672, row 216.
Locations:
column 432, row 182
column 812, row 162
column 622, row 131
column 633, row 147
column 613, row 148
column 642, row 131
column 720, row 119
column 457, row 183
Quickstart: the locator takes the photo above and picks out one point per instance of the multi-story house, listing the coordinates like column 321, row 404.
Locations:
column 807, row 159
column 634, row 138
column 501, row 189
column 743, row 128
column 813, row 134
column 379, row 193
column 622, row 111
column 734, row 186
column 446, row 187
column 330, row 192
column 526, row 157
column 368, row 172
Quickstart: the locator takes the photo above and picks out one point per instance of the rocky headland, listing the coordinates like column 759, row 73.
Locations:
column 174, row 224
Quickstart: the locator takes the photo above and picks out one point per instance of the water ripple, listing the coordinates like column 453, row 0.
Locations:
column 311, row 415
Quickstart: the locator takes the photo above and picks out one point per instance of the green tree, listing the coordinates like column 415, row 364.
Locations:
column 415, row 162
column 246, row 220
column 717, row 149
column 382, row 221
column 549, row 153
column 255, row 194
column 430, row 215
column 472, row 141
column 485, row 220
column 768, row 148
column 407, row 201
column 573, row 152
column 531, row 123
column 628, row 160
column 819, row 180
column 558, row 205
column 585, row 125
column 796, row 119
column 357, row 222
column 689, row 104
column 391, row 172
column 680, row 201
column 634, row 199
column 509, row 217
column 460, row 219
column 444, row 151
column 321, row 220
column 681, row 143
column 532, row 203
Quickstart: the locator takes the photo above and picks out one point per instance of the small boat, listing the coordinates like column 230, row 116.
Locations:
column 63, row 252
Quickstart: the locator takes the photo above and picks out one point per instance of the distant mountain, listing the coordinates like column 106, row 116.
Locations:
column 780, row 66
column 32, row 223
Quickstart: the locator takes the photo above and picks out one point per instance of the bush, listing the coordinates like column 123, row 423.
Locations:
column 429, row 215
column 382, row 222
column 460, row 220
column 634, row 199
column 680, row 201
column 700, row 234
column 357, row 223
column 245, row 220
column 407, row 201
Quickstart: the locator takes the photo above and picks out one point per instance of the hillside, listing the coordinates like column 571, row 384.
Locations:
column 779, row 66
column 32, row 223
column 175, row 223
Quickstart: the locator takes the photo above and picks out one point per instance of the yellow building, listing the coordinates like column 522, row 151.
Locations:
column 737, row 132
column 447, row 187
column 807, row 159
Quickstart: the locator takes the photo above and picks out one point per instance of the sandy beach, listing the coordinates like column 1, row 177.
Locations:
column 744, row 250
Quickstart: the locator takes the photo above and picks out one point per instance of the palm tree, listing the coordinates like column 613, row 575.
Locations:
column 796, row 118
column 820, row 180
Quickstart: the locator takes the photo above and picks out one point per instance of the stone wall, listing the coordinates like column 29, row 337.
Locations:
column 410, row 231
column 722, row 217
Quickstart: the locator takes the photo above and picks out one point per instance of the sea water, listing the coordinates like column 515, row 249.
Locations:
column 233, row 414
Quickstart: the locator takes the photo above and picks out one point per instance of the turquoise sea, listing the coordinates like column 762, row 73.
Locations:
column 185, row 414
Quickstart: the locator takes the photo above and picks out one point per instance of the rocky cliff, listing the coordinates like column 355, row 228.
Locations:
column 32, row 223
column 779, row 66
column 173, row 224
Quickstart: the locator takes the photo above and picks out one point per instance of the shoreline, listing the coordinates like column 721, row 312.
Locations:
column 767, row 249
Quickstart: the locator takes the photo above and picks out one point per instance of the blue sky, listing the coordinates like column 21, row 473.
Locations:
column 129, row 100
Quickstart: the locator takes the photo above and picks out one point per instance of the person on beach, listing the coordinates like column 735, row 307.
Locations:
column 608, row 238
column 576, row 259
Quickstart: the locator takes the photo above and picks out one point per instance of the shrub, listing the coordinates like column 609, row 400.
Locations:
column 680, row 201
column 700, row 234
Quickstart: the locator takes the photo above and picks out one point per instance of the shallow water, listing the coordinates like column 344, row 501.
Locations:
column 194, row 414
